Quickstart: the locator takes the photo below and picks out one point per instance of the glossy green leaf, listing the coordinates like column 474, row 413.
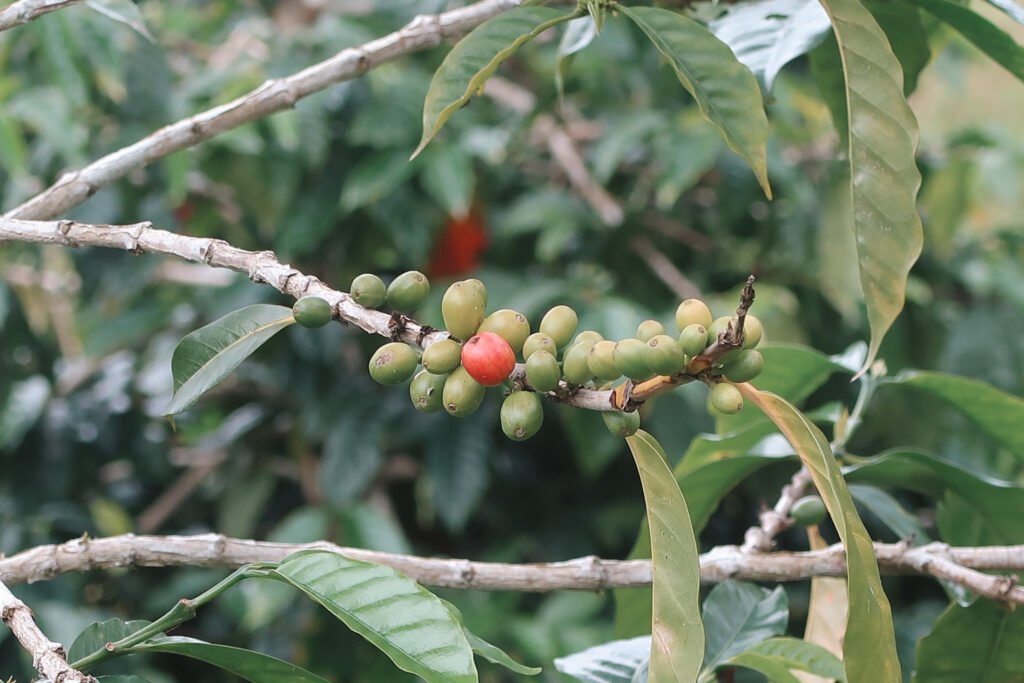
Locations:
column 614, row 662
column 869, row 650
column 775, row 657
column 725, row 90
column 977, row 643
column 768, row 34
column 985, row 35
column 677, row 645
column 495, row 655
column 95, row 636
column 208, row 355
column 737, row 616
column 252, row 666
column 882, row 142
column 996, row 412
column 407, row 622
column 475, row 58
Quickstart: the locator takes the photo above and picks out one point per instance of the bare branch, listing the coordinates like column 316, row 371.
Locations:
column 774, row 520
column 24, row 11
column 425, row 31
column 47, row 656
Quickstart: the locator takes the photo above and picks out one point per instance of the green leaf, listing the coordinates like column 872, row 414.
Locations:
column 447, row 176
column 578, row 34
column 95, row 636
column 373, row 178
column 768, row 34
column 208, row 355
column 614, row 662
column 24, row 406
column 905, row 525
column 870, row 647
column 827, row 72
column 252, row 666
column 902, row 26
column 776, row 656
column 677, row 646
column 458, row 464
column 976, row 643
column 882, row 141
column 985, row 35
column 407, row 622
column 725, row 90
column 1011, row 8
column 495, row 655
column 475, row 58
column 125, row 12
column 738, row 615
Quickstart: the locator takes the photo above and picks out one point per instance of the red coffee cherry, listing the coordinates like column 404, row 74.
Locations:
column 488, row 358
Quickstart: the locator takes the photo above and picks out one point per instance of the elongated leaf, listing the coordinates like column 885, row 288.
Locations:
column 882, row 141
column 996, row 412
column 252, row 666
column 870, row 646
column 495, row 655
column 208, row 355
column 985, row 35
column 725, row 90
column 614, row 662
column 475, row 58
column 906, row 35
column 774, row 657
column 737, row 616
column 891, row 513
column 677, row 645
column 768, row 34
column 827, row 611
column 977, row 643
column 95, row 636
column 407, row 622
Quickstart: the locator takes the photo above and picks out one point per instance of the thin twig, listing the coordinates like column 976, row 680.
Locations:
column 662, row 266
column 24, row 11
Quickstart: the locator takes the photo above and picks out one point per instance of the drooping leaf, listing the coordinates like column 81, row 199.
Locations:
column 985, row 35
column 737, row 616
column 827, row 611
column 208, row 355
column 976, row 643
column 95, row 636
column 870, row 646
column 884, row 178
column 768, row 34
column 495, row 655
column 614, row 662
column 996, row 412
column 407, row 622
column 725, row 90
column 775, row 657
column 677, row 645
column 475, row 58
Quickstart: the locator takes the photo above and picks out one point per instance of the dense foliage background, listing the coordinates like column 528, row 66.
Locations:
column 300, row 444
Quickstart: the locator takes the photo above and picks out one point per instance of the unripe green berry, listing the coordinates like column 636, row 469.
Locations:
column 407, row 291
column 693, row 339
column 426, row 390
column 521, row 415
column 560, row 324
column 442, row 357
column 368, row 290
column 663, row 355
column 808, row 511
column 462, row 394
column 753, row 330
column 725, row 398
column 543, row 371
column 393, row 363
column 747, row 365
column 719, row 326
column 575, row 367
column 590, row 337
column 601, row 360
column 539, row 341
column 510, row 325
column 629, row 359
column 649, row 329
column 621, row 424
column 312, row 311
column 462, row 308
column 693, row 312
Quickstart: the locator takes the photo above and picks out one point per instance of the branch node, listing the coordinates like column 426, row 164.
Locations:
column 397, row 325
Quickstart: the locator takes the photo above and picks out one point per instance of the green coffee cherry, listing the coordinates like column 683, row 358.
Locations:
column 601, row 360
column 393, row 363
column 589, row 337
column 575, row 367
column 718, row 327
column 560, row 324
column 649, row 329
column 407, row 291
column 543, row 371
column 752, row 331
column 425, row 391
column 663, row 355
column 629, row 359
column 725, row 398
column 747, row 365
column 693, row 312
column 510, row 325
column 521, row 415
column 462, row 308
column 462, row 394
column 539, row 341
column 312, row 311
column 621, row 424
column 693, row 339
column 808, row 511
column 442, row 357
column 368, row 290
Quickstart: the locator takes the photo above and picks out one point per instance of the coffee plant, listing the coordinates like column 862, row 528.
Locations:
column 636, row 342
